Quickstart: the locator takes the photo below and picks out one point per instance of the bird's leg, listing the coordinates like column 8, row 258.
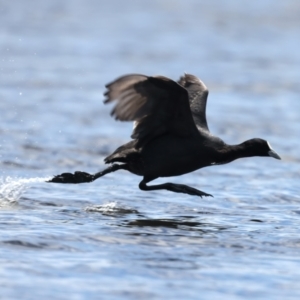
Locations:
column 177, row 188
column 80, row 177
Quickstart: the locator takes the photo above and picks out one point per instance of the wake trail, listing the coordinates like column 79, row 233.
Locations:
column 12, row 188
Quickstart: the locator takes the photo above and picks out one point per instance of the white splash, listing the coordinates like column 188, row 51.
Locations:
column 110, row 208
column 104, row 208
column 11, row 189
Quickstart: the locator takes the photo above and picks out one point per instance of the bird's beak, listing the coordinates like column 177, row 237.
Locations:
column 272, row 153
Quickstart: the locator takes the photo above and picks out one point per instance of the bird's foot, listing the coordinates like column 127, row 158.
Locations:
column 77, row 177
column 203, row 194
column 182, row 188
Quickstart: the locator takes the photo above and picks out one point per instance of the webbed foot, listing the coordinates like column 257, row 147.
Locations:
column 77, row 177
column 173, row 187
column 182, row 188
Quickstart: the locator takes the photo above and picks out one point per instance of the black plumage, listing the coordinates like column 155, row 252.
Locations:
column 170, row 136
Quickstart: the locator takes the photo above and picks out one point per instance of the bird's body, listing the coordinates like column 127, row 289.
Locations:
column 170, row 136
column 181, row 155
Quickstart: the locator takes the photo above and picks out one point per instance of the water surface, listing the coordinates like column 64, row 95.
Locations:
column 109, row 238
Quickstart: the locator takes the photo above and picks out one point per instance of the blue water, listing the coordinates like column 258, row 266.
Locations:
column 108, row 239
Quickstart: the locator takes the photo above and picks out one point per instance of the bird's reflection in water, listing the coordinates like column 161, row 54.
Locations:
column 183, row 224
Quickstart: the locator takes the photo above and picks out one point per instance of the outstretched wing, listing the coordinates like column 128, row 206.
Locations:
column 157, row 105
column 198, row 93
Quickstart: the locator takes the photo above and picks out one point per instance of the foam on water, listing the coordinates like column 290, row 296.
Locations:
column 110, row 208
column 11, row 189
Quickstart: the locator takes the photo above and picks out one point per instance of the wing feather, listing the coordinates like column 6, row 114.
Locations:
column 198, row 94
column 158, row 105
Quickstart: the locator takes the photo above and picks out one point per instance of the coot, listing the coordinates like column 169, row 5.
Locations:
column 170, row 136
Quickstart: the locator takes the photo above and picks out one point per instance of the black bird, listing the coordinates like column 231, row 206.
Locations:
column 170, row 135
